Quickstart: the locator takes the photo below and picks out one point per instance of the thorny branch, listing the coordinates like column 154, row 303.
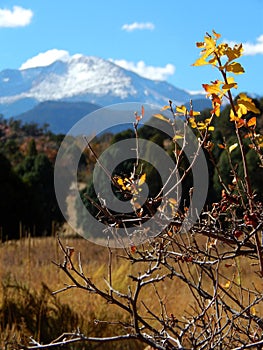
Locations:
column 222, row 311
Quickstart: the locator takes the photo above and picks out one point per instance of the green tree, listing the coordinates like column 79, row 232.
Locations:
column 32, row 149
column 37, row 173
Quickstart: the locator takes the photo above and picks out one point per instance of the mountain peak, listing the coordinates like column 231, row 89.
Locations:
column 80, row 78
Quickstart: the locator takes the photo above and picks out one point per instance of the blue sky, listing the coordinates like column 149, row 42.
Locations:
column 154, row 38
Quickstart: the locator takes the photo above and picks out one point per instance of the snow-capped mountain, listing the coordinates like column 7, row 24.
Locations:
column 82, row 79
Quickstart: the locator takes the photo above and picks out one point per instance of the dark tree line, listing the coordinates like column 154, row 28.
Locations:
column 27, row 196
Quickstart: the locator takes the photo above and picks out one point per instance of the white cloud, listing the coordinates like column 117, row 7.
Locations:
column 251, row 49
column 150, row 72
column 138, row 26
column 17, row 17
column 46, row 58
column 254, row 49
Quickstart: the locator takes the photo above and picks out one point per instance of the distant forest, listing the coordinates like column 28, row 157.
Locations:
column 27, row 158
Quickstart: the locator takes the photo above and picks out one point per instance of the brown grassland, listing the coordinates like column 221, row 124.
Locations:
column 28, row 276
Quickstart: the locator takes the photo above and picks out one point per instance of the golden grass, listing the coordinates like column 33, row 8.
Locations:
column 30, row 261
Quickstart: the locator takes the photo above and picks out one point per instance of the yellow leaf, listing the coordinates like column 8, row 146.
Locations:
column 210, row 43
column 234, row 53
column 172, row 201
column 259, row 140
column 201, row 125
column 192, row 122
column 235, row 68
column 248, row 104
column 235, row 115
column 226, row 285
column 213, row 60
column 194, row 113
column 232, row 147
column 162, row 117
column 229, row 86
column 181, row 109
column 122, row 184
column 212, row 244
column 120, row 181
column 253, row 311
column 142, row 179
column 221, row 49
column 214, row 88
column 211, row 128
column 244, row 97
column 178, row 137
column 200, row 62
column 231, row 80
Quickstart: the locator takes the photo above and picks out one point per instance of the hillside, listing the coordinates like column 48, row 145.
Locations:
column 60, row 116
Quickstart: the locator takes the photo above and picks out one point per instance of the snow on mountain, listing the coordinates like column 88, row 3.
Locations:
column 82, row 78
column 82, row 75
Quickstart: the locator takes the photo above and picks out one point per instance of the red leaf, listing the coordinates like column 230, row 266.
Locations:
column 133, row 249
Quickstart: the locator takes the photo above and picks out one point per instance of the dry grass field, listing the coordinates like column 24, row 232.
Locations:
column 28, row 276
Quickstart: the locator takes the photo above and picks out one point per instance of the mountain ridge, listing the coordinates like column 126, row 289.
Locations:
column 78, row 79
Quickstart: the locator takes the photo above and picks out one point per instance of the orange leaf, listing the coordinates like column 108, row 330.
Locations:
column 200, row 44
column 165, row 107
column 137, row 205
column 241, row 122
column 142, row 111
column 216, row 35
column 252, row 121
column 216, row 99
column 70, row 251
